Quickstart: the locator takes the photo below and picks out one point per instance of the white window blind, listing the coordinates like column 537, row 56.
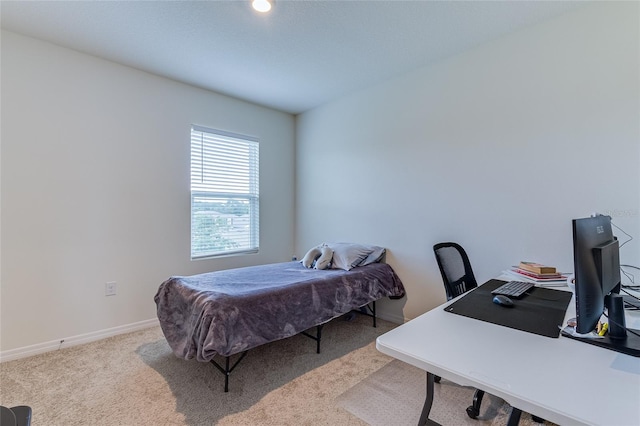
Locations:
column 224, row 193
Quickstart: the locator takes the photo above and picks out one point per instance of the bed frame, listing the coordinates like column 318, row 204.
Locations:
column 222, row 314
column 228, row 367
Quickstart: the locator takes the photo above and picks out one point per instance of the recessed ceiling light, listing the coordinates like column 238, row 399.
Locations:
column 262, row 5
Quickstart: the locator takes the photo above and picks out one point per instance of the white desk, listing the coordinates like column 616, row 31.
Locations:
column 562, row 380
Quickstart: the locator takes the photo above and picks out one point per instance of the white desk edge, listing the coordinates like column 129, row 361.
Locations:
column 534, row 387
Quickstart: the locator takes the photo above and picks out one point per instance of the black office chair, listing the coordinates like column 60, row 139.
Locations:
column 458, row 278
column 455, row 269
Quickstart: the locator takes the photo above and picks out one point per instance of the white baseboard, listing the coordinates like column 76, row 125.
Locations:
column 67, row 342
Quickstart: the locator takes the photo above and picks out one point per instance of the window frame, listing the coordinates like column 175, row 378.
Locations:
column 242, row 187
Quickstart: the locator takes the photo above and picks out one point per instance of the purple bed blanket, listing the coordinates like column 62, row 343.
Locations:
column 231, row 311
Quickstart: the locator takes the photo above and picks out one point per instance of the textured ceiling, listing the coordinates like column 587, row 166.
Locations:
column 299, row 56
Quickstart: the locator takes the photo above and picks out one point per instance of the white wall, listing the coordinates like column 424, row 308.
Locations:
column 497, row 148
column 95, row 188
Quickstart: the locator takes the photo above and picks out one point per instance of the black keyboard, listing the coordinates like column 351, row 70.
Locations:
column 513, row 288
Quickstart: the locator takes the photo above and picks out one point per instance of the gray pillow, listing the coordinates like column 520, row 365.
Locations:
column 375, row 256
column 348, row 255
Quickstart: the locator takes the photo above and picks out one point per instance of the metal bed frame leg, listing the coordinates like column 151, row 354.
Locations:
column 317, row 337
column 226, row 370
column 226, row 374
column 372, row 309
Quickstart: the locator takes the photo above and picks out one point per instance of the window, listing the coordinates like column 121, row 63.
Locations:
column 224, row 193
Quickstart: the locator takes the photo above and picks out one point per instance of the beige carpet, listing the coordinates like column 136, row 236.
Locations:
column 134, row 379
column 394, row 395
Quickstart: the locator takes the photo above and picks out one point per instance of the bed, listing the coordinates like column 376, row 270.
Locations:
column 229, row 312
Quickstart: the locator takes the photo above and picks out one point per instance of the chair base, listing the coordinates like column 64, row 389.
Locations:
column 473, row 411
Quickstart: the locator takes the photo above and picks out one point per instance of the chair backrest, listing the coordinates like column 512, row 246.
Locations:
column 455, row 268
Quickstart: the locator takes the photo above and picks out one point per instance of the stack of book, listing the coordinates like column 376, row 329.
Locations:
column 539, row 273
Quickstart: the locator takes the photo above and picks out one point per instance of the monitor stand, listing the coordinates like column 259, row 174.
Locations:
column 619, row 338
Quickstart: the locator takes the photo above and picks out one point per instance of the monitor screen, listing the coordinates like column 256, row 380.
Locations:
column 596, row 267
column 596, row 258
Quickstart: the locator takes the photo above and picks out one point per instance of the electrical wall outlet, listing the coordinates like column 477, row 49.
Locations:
column 110, row 288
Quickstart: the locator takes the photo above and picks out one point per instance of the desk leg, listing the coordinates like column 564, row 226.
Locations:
column 514, row 417
column 428, row 402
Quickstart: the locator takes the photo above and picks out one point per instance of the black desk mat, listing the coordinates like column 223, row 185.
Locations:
column 541, row 311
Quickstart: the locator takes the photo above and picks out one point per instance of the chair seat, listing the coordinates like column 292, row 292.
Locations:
column 7, row 417
column 15, row 416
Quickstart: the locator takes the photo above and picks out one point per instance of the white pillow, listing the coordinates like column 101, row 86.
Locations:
column 325, row 258
column 310, row 257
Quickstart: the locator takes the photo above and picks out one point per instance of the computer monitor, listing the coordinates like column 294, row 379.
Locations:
column 596, row 259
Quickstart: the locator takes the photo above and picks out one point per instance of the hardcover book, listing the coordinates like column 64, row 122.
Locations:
column 537, row 268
